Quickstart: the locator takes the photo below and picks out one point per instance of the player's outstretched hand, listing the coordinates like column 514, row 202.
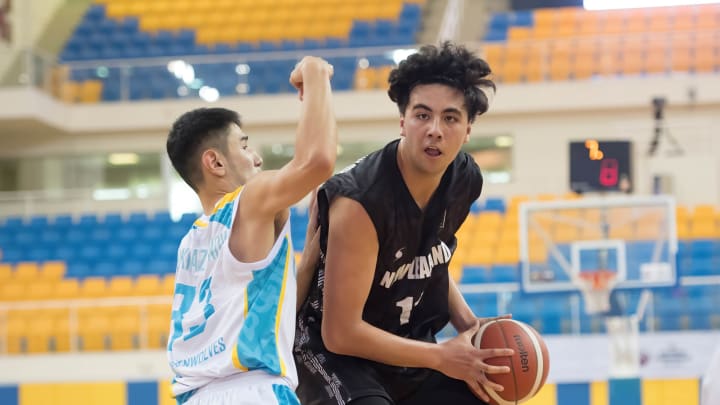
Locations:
column 309, row 65
column 462, row 361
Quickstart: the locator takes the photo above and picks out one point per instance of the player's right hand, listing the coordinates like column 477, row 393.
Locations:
column 309, row 65
column 462, row 361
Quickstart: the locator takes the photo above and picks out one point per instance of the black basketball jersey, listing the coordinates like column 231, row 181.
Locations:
column 409, row 293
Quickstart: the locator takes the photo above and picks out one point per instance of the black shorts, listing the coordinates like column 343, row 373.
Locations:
column 330, row 379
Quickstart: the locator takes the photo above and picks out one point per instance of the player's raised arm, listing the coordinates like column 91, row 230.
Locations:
column 315, row 145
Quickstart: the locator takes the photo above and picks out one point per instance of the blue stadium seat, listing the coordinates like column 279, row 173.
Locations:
column 523, row 18
column 494, row 204
column 131, row 268
column 504, row 274
column 475, row 275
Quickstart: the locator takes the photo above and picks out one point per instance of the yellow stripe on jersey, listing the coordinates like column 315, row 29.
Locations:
column 278, row 315
column 226, row 199
column 235, row 357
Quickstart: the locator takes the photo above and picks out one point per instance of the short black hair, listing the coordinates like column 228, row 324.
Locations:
column 193, row 132
column 449, row 64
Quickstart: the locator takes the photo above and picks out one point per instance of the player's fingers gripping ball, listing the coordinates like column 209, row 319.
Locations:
column 529, row 365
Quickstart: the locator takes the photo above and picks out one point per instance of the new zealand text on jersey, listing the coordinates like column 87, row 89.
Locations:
column 421, row 266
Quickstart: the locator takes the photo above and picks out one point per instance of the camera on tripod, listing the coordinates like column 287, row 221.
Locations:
column 659, row 104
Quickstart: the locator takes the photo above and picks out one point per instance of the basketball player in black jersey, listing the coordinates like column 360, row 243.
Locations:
column 380, row 291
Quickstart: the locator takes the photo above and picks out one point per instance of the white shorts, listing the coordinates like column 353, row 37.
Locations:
column 245, row 390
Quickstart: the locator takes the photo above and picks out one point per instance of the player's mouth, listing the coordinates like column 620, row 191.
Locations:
column 432, row 151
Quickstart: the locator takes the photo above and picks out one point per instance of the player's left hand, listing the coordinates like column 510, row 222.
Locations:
column 481, row 390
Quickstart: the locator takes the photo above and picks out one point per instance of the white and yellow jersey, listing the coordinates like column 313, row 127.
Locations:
column 230, row 317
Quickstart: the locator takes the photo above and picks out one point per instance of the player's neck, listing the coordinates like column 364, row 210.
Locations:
column 211, row 196
column 421, row 185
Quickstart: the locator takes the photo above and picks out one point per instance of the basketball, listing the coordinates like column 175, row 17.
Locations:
column 529, row 365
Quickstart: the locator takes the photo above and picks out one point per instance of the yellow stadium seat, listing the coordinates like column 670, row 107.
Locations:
column 389, row 10
column 93, row 287
column 150, row 23
column 382, row 75
column 622, row 232
column 518, row 33
column 682, row 21
column 589, row 23
column 507, row 255
column 117, row 10
column 16, row 335
column 124, row 332
column 704, row 211
column 704, row 62
column 67, row 289
column 141, row 8
column 544, row 17
column 91, row 91
column 614, row 22
column 704, row 229
column 538, row 253
column 26, row 272
column 707, row 20
column 339, row 29
column 542, row 32
column 680, row 60
column 566, row 233
column 534, row 72
column 121, row 286
column 365, row 79
column 41, row 290
column 168, row 284
column 60, row 335
column 52, row 271
column 93, row 333
column 656, row 61
column 560, row 69
column 147, row 284
column 480, row 255
column 38, row 335
column 12, row 291
column 69, row 91
column 5, row 273
column 158, row 330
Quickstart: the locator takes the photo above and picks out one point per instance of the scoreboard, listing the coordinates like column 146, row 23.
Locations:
column 597, row 166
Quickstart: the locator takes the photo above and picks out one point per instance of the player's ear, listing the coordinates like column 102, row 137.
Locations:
column 467, row 132
column 213, row 162
column 402, row 125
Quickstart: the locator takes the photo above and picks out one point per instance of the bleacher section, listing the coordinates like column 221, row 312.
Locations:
column 572, row 43
column 113, row 31
column 53, row 269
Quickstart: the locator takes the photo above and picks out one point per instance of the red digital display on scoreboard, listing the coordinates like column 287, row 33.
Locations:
column 600, row 166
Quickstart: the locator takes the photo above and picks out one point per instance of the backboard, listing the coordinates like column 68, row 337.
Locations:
column 566, row 243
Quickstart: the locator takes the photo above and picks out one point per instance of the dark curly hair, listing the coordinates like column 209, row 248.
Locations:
column 449, row 64
column 194, row 132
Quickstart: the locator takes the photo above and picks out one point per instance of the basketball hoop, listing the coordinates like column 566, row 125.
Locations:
column 596, row 286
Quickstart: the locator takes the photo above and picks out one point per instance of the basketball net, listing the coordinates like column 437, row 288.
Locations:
column 595, row 287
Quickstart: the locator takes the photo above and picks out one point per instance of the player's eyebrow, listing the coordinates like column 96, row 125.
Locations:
column 421, row 106
column 244, row 138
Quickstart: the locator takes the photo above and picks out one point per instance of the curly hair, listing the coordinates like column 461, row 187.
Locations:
column 449, row 64
column 194, row 132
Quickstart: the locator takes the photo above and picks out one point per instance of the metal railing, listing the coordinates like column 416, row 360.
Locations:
column 29, row 309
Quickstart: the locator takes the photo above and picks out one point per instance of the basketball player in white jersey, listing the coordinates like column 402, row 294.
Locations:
column 233, row 317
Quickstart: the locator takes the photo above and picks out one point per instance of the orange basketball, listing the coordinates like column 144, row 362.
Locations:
column 529, row 365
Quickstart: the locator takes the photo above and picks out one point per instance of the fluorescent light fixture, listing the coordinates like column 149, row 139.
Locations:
column 123, row 159
column 503, row 141
column 619, row 4
column 105, row 194
column 400, row 55
column 209, row 94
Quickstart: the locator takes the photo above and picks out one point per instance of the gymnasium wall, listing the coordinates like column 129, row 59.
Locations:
column 541, row 117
